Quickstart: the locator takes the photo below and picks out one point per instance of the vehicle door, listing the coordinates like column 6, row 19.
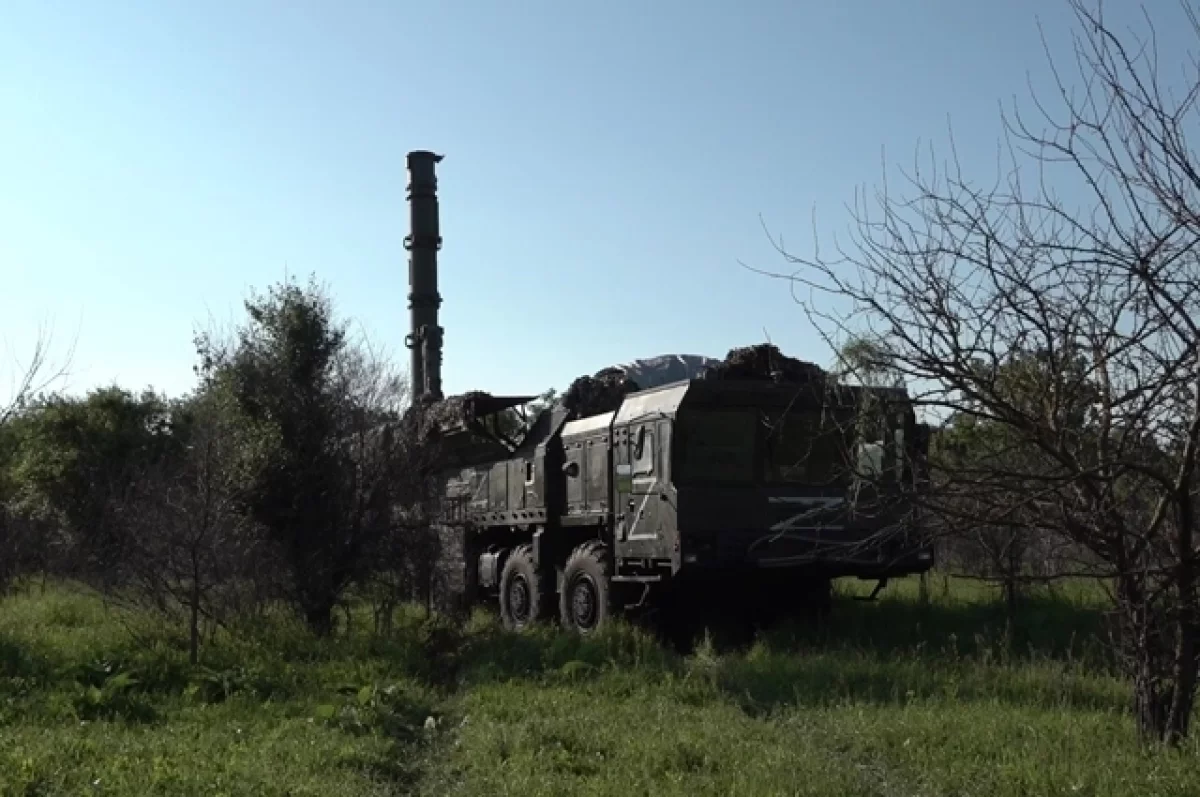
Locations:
column 667, row 501
column 623, row 503
column 642, row 529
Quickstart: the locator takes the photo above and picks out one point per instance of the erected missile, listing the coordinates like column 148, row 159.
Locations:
column 423, row 243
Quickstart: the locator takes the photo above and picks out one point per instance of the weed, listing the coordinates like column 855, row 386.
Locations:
column 891, row 698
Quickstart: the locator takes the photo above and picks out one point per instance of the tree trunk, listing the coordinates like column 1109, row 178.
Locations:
column 1161, row 643
column 384, row 612
column 1012, row 579
column 194, row 620
column 194, row 641
column 1186, row 617
column 1012, row 599
column 1162, row 703
column 1149, row 704
column 1183, row 700
column 318, row 616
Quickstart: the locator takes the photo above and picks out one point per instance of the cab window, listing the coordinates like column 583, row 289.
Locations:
column 643, row 452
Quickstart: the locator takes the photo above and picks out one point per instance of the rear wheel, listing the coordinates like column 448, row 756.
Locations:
column 584, row 604
column 524, row 597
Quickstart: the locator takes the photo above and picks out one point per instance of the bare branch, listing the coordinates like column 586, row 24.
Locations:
column 1060, row 344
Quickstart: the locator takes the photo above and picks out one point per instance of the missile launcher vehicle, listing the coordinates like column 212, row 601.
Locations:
column 753, row 480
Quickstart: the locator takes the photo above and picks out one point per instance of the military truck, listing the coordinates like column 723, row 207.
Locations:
column 737, row 486
column 764, row 481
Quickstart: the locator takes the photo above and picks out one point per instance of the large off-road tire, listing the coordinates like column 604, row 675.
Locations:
column 585, row 601
column 525, row 596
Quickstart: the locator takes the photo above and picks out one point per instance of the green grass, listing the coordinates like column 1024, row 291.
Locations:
column 892, row 698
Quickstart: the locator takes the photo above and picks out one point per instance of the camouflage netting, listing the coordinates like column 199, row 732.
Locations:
column 761, row 362
column 651, row 372
column 452, row 410
column 606, row 389
column 602, row 392
column 435, row 416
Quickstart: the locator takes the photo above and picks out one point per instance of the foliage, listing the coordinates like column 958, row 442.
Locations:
column 894, row 698
column 75, row 461
column 189, row 553
column 283, row 475
column 866, row 361
column 979, row 463
column 322, row 467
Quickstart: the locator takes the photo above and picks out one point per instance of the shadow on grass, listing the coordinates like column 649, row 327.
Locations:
column 1045, row 628
column 394, row 769
column 18, row 663
column 492, row 654
column 891, row 651
column 763, row 680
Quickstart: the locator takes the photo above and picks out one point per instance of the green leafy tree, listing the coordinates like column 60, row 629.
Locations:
column 980, row 463
column 318, row 479
column 866, row 361
column 74, row 463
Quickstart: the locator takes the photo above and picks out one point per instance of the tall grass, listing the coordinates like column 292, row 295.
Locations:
column 888, row 697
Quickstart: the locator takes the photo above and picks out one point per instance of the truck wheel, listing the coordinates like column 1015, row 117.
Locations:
column 523, row 593
column 584, row 604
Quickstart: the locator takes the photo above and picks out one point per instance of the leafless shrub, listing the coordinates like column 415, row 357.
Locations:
column 33, row 377
column 186, row 550
column 1071, row 331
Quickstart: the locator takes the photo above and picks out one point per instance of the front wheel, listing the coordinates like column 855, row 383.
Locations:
column 523, row 591
column 585, row 600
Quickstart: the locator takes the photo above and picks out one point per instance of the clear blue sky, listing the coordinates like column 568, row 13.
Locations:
column 606, row 164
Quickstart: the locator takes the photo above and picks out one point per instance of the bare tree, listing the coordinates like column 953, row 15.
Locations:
column 21, row 538
column 1101, row 449
column 33, row 377
column 979, row 541
column 389, row 494
column 188, row 552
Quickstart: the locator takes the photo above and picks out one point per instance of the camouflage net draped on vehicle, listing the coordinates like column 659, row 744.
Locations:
column 602, row 392
column 429, row 418
column 762, row 362
column 605, row 390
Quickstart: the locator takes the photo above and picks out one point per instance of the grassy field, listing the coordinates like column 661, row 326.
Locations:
column 891, row 698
